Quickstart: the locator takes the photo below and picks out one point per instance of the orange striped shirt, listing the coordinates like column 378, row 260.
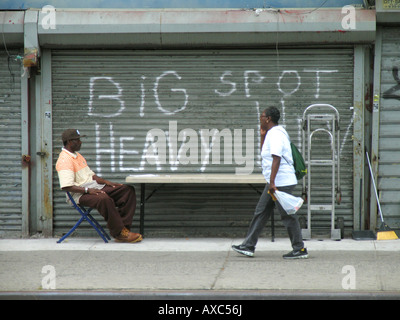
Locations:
column 72, row 169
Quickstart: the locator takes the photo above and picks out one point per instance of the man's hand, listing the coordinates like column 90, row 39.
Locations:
column 272, row 187
column 95, row 191
column 113, row 184
column 106, row 182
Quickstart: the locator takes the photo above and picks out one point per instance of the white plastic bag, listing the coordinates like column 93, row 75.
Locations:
column 289, row 203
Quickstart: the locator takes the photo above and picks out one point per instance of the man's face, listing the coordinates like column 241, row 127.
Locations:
column 263, row 121
column 75, row 144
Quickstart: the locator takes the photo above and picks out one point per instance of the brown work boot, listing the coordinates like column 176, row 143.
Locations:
column 127, row 236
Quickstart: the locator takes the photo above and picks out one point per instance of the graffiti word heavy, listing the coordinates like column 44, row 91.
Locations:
column 186, row 147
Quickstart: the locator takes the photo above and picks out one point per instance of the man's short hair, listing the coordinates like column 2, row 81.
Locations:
column 274, row 113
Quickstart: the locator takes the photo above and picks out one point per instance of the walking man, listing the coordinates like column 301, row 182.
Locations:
column 278, row 170
column 114, row 201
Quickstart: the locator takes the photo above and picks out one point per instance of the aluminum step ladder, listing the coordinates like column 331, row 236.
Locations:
column 327, row 121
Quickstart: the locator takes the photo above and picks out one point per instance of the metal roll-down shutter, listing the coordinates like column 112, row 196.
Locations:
column 389, row 150
column 10, row 145
column 125, row 100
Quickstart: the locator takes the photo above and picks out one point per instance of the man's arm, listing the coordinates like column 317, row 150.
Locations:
column 106, row 182
column 76, row 189
column 274, row 171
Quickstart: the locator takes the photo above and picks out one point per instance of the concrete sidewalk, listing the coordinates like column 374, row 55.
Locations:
column 197, row 269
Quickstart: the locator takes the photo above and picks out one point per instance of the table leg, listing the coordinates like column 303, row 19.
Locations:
column 272, row 228
column 142, row 202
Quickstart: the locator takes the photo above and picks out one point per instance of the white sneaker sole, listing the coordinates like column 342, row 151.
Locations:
column 246, row 253
column 304, row 256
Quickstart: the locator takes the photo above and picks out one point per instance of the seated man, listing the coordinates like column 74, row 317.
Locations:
column 114, row 201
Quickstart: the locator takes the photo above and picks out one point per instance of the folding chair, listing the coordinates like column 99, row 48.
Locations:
column 85, row 213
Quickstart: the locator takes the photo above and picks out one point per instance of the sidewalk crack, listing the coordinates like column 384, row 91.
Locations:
column 221, row 270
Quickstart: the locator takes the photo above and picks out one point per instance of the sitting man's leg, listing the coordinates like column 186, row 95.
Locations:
column 117, row 218
column 124, row 197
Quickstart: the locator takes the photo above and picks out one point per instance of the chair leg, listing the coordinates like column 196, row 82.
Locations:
column 86, row 216
column 98, row 231
column 98, row 226
column 93, row 222
column 72, row 230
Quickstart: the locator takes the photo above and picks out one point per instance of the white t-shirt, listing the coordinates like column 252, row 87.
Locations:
column 277, row 143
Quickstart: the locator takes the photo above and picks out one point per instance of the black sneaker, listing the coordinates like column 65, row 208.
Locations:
column 243, row 250
column 301, row 254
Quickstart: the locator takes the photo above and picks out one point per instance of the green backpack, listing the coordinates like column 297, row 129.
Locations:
column 299, row 165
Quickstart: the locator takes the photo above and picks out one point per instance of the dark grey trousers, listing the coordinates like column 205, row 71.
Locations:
column 264, row 210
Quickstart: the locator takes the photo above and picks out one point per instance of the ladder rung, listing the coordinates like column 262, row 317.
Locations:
column 321, row 207
column 321, row 162
column 321, row 117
